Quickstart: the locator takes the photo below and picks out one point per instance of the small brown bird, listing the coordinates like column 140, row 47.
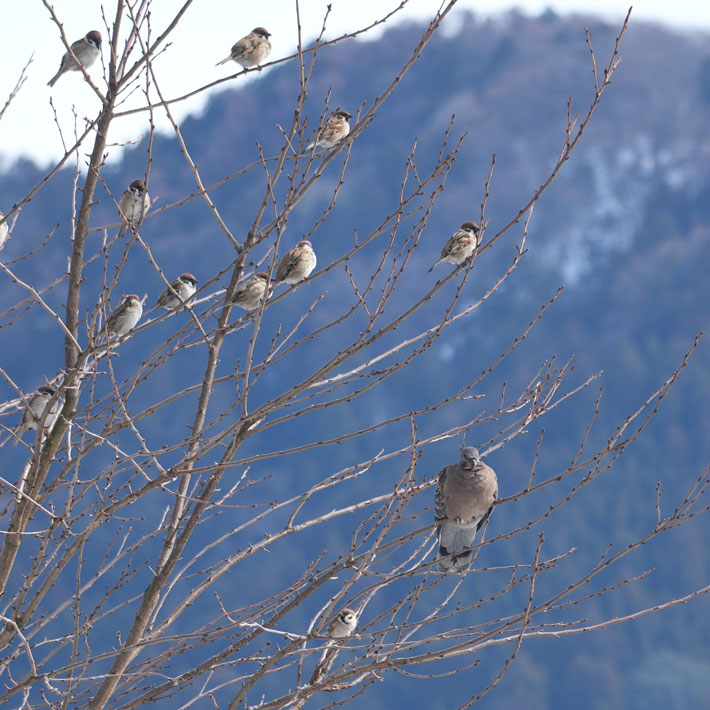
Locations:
column 340, row 627
column 461, row 244
column 463, row 501
column 133, row 204
column 343, row 624
column 36, row 407
column 126, row 316
column 334, row 130
column 182, row 289
column 86, row 50
column 250, row 51
column 296, row 264
column 251, row 293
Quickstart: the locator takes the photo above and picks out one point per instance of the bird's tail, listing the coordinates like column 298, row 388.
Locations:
column 455, row 542
column 434, row 265
column 325, row 663
column 122, row 230
column 53, row 80
column 18, row 435
column 224, row 61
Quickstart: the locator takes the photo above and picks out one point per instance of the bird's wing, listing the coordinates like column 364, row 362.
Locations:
column 283, row 268
column 250, row 47
column 239, row 47
column 448, row 247
column 288, row 263
column 440, row 498
column 459, row 243
column 492, row 483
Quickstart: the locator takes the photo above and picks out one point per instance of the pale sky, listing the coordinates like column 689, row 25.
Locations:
column 205, row 36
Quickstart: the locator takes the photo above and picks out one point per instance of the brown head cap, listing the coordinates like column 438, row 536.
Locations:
column 95, row 37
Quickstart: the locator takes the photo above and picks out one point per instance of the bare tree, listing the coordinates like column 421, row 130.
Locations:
column 161, row 544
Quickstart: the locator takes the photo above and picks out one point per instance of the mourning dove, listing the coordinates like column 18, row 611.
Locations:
column 463, row 502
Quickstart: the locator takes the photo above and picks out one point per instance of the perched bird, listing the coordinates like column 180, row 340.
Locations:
column 133, row 204
column 461, row 244
column 463, row 502
column 340, row 627
column 125, row 317
column 251, row 293
column 335, row 129
column 250, row 51
column 4, row 230
column 296, row 264
column 343, row 624
column 86, row 50
column 184, row 286
column 36, row 407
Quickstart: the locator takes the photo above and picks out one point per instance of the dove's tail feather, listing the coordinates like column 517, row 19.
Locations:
column 455, row 543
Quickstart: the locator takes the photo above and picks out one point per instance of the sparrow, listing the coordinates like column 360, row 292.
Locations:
column 4, row 230
column 36, row 407
column 133, row 204
column 184, row 286
column 252, row 50
column 335, row 129
column 250, row 294
column 461, row 244
column 86, row 50
column 343, row 624
column 125, row 317
column 297, row 264
column 463, row 501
